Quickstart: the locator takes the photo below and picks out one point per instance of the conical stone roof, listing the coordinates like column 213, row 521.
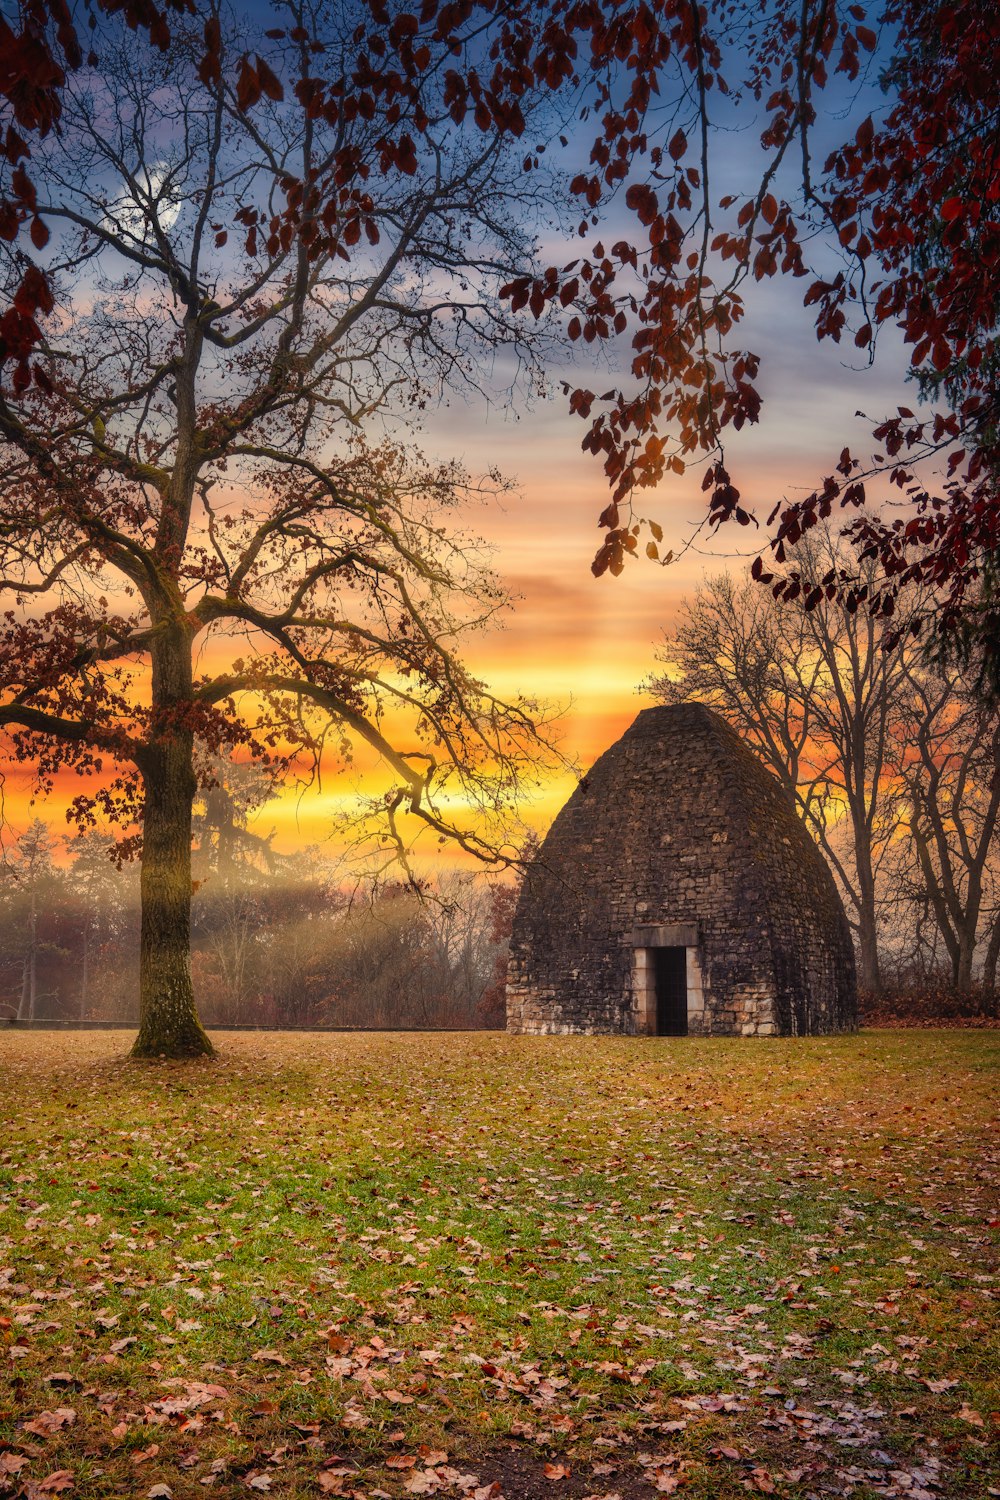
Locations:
column 679, row 836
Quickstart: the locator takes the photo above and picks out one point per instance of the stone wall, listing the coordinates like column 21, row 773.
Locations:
column 679, row 824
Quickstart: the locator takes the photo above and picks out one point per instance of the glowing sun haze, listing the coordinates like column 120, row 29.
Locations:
column 580, row 643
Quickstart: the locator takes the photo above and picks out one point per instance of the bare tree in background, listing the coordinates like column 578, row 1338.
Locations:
column 949, row 756
column 31, row 891
column 95, row 890
column 818, row 696
column 465, row 942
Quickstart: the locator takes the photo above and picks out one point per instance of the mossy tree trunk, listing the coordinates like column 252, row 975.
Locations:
column 168, row 1020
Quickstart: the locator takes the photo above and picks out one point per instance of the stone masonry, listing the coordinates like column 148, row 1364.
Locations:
column 679, row 837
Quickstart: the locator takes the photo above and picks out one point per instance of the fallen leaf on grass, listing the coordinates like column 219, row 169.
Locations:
column 269, row 1357
column 966, row 1413
column 423, row 1482
column 196, row 1393
column 353, row 1417
column 762, row 1481
column 56, row 1482
column 48, row 1422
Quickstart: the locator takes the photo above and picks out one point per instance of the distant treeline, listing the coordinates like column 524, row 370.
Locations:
column 276, row 941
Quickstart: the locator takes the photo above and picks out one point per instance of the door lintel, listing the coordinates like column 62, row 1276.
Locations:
column 666, row 935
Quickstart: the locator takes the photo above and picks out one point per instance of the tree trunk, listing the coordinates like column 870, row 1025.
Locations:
column 22, row 1009
column 85, row 970
column 869, row 967
column 33, row 995
column 990, row 967
column 29, row 984
column 168, row 1021
column 966, row 953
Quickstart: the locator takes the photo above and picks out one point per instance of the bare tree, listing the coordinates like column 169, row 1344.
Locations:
column 204, row 530
column 464, row 944
column 32, row 890
column 950, row 765
column 237, row 875
column 95, row 886
column 818, row 696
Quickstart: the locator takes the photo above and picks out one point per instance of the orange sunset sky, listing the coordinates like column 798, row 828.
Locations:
column 582, row 643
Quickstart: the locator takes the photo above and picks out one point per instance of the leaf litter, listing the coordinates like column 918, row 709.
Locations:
column 484, row 1267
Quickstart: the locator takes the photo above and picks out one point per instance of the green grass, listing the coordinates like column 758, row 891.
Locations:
column 381, row 1265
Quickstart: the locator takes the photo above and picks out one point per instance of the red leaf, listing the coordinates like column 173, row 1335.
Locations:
column 34, row 294
column 248, row 89
column 406, row 155
column 9, row 221
column 269, row 82
column 641, row 199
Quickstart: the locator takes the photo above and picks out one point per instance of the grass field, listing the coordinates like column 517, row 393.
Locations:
column 480, row 1265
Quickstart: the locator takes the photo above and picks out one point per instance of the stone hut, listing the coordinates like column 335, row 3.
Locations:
column 678, row 892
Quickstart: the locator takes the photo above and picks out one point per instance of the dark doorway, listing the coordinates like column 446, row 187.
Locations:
column 671, row 991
